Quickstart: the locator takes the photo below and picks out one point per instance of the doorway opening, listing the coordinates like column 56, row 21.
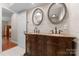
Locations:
column 6, row 30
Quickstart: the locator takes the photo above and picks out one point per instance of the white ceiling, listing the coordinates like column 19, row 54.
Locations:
column 6, row 13
column 18, row 7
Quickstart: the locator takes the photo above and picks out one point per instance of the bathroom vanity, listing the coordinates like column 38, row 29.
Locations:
column 49, row 44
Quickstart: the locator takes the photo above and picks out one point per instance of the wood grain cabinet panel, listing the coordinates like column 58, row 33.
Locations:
column 45, row 45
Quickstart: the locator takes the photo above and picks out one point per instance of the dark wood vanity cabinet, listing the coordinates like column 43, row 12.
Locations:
column 46, row 45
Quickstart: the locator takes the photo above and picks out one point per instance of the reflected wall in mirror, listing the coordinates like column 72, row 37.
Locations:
column 37, row 16
column 57, row 12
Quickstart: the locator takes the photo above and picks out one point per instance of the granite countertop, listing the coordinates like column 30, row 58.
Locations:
column 56, row 35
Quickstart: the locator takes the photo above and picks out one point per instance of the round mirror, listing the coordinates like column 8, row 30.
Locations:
column 37, row 16
column 57, row 12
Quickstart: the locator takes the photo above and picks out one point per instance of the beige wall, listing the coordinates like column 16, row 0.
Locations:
column 46, row 26
column 18, row 23
column 14, row 28
column 74, row 23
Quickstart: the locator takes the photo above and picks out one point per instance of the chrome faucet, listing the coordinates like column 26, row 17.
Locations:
column 36, row 30
column 52, row 31
column 56, row 31
column 60, row 31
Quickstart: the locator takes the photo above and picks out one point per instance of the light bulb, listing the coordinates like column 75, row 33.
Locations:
column 54, row 15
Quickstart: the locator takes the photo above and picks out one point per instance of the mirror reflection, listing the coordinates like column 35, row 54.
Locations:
column 57, row 12
column 37, row 16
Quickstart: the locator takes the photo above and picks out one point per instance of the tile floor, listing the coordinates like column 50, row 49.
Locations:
column 16, row 51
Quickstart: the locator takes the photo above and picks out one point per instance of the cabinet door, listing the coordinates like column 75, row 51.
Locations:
column 39, row 45
column 51, row 50
column 60, row 51
column 51, row 46
column 61, row 43
column 28, row 46
column 34, row 45
column 64, row 46
column 44, row 45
